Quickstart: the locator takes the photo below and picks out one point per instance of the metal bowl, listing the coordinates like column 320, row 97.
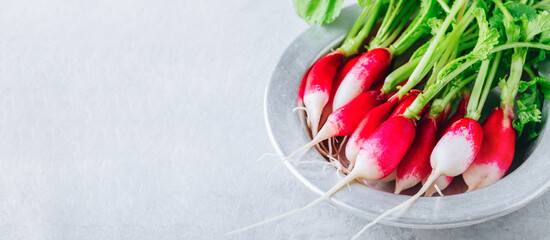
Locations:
column 514, row 191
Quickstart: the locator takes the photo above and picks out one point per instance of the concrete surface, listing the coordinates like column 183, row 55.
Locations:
column 137, row 119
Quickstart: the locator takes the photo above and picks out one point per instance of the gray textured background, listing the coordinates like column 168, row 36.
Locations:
column 137, row 119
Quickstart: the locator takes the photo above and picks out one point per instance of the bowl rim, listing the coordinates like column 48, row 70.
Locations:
column 286, row 134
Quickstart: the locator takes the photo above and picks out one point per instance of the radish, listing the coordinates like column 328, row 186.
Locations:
column 459, row 113
column 372, row 120
column 450, row 157
column 344, row 120
column 497, row 151
column 406, row 102
column 366, row 127
column 361, row 76
column 339, row 77
column 387, row 43
column 318, row 85
column 457, row 149
column 321, row 74
column 415, row 166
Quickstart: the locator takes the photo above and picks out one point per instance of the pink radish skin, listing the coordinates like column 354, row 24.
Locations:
column 368, row 125
column 373, row 119
column 368, row 68
column 457, row 149
column 338, row 79
column 451, row 156
column 318, row 86
column 377, row 158
column 497, row 151
column 301, row 90
column 382, row 151
column 415, row 166
column 459, row 114
column 344, row 120
column 406, row 103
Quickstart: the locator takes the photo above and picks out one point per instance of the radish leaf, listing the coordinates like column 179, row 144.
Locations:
column 318, row 11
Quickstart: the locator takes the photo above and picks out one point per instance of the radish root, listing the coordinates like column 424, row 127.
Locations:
column 327, row 195
column 438, row 190
column 404, row 205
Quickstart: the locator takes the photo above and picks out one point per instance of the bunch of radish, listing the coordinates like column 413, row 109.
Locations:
column 397, row 119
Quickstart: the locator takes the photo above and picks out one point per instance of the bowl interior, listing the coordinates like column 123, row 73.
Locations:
column 525, row 181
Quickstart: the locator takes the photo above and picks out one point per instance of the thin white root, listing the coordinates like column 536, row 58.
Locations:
column 342, row 145
column 269, row 154
column 438, row 190
column 327, row 195
column 300, row 108
column 404, row 205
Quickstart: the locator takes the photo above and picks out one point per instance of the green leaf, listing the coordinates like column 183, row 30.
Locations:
column 529, row 105
column 534, row 56
column 318, row 11
column 518, row 10
column 544, row 5
column 526, row 114
column 488, row 37
column 539, row 25
column 435, row 25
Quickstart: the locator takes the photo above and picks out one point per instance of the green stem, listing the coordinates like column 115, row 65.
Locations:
column 439, row 105
column 530, row 72
column 444, row 6
column 385, row 21
column 464, row 46
column 415, row 30
column 352, row 45
column 510, row 88
column 399, row 75
column 396, row 17
column 490, row 79
column 518, row 45
column 473, row 111
column 358, row 24
column 416, row 75
column 394, row 35
column 503, row 9
column 424, row 98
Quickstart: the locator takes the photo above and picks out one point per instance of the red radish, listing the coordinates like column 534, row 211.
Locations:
column 339, row 77
column 368, row 68
column 302, row 89
column 382, row 151
column 368, row 125
column 318, row 85
column 344, row 120
column 451, row 156
column 406, row 103
column 416, row 164
column 497, row 151
column 459, row 113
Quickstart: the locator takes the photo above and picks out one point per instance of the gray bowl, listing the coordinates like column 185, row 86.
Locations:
column 514, row 191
